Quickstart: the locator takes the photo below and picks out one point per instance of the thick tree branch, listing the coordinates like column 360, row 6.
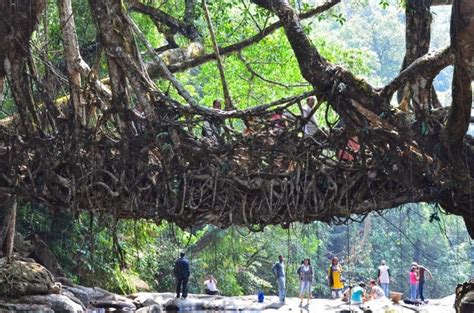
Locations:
column 427, row 66
column 462, row 41
column 225, row 88
column 154, row 70
column 184, row 28
column 333, row 83
column 418, row 92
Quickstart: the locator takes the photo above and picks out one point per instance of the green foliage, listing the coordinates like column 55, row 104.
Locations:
column 241, row 260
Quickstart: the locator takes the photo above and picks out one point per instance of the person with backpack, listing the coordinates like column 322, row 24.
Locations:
column 181, row 273
column 306, row 278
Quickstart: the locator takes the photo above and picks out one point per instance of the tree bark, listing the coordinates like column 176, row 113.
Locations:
column 18, row 19
column 462, row 41
column 227, row 98
column 7, row 224
column 420, row 91
column 73, row 57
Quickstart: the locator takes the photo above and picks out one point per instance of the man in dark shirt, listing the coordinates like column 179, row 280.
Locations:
column 181, row 272
column 422, row 271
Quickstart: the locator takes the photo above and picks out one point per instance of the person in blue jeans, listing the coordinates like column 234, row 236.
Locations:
column 413, row 280
column 279, row 271
column 384, row 277
column 421, row 279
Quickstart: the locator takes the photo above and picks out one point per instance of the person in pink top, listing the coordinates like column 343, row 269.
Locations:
column 413, row 278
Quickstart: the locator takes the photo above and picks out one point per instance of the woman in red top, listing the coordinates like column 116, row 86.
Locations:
column 413, row 278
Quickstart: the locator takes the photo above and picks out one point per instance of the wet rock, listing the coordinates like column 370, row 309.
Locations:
column 150, row 309
column 71, row 296
column 37, row 308
column 94, row 294
column 59, row 303
column 80, row 294
column 118, row 305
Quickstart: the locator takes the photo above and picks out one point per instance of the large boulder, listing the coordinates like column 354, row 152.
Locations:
column 465, row 298
column 20, row 278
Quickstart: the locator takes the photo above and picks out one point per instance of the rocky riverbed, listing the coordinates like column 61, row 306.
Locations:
column 27, row 286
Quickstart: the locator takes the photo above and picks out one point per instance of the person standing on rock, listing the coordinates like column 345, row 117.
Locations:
column 279, row 271
column 421, row 279
column 413, row 280
column 334, row 278
column 306, row 278
column 384, row 277
column 181, row 273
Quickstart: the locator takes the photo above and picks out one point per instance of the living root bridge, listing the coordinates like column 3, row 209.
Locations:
column 261, row 167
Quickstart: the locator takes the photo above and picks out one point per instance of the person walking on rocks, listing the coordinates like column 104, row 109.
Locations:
column 334, row 278
column 279, row 271
column 306, row 278
column 181, row 273
column 384, row 277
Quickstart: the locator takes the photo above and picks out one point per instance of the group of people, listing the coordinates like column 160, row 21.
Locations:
column 378, row 288
column 417, row 281
column 182, row 273
column 213, row 127
column 354, row 294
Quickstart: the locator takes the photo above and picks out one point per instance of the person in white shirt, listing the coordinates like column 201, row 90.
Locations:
column 310, row 128
column 210, row 286
column 384, row 277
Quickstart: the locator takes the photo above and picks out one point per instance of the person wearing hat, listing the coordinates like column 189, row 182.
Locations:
column 383, row 277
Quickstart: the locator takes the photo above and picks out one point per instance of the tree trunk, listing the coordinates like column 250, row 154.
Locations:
column 73, row 57
column 8, row 206
column 419, row 92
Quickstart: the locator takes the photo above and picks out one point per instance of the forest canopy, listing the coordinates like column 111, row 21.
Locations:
column 107, row 108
